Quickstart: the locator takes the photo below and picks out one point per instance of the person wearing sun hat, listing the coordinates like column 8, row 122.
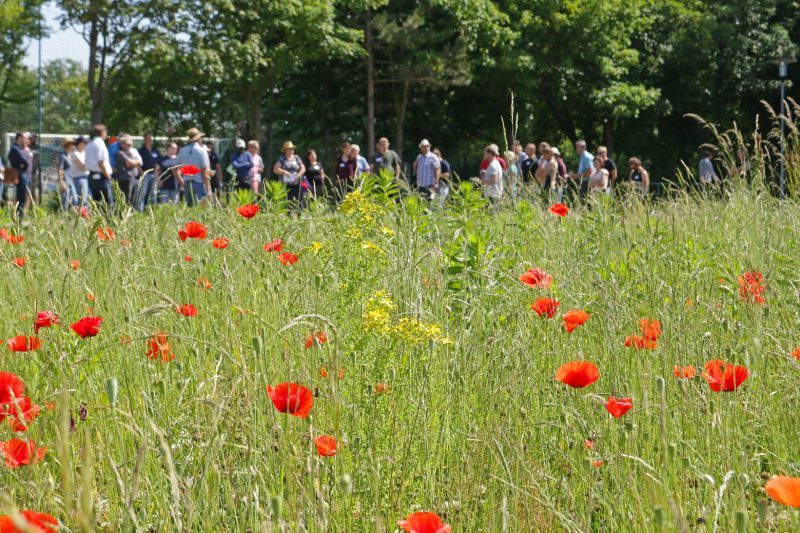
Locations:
column 198, row 185
column 291, row 169
column 427, row 169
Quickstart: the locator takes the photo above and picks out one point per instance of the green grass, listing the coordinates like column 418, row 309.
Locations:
column 476, row 430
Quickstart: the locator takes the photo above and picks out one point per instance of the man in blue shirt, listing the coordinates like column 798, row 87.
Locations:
column 196, row 185
column 242, row 162
column 585, row 166
column 21, row 160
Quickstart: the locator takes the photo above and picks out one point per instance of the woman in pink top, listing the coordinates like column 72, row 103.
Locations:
column 258, row 166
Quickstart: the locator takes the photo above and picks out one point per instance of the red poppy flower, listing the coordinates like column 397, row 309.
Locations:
column 380, row 388
column 588, row 444
column 187, row 310
column 559, row 209
column 35, row 522
column 547, row 307
column 751, row 288
column 795, row 353
column 190, row 170
column 20, row 261
column 187, row 258
column 537, row 278
column 618, row 406
column 248, row 211
column 687, row 372
column 14, row 239
column 651, row 329
column 90, row 296
column 3, row 233
column 326, row 445
column 323, row 371
column 87, row 326
column 160, row 348
column 597, row 464
column 76, row 265
column 574, row 318
column 319, row 338
column 221, row 243
column 577, row 374
column 204, row 283
column 291, row 398
column 784, row 489
column 21, row 343
column 84, row 212
column 287, row 258
column 193, row 230
column 424, row 523
column 106, row 234
column 45, row 319
column 19, row 414
column 20, row 453
column 640, row 343
column 274, row 246
column 11, row 386
column 724, row 377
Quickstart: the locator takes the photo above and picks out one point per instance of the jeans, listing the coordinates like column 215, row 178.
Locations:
column 2, row 191
column 147, row 191
column 23, row 192
column 69, row 197
column 82, row 189
column 194, row 191
column 101, row 189
column 168, row 196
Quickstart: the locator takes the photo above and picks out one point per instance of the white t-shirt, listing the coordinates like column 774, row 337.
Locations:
column 494, row 172
column 96, row 155
column 78, row 160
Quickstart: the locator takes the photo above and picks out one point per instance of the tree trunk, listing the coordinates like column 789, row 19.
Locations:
column 270, row 132
column 95, row 90
column 400, row 117
column 370, row 86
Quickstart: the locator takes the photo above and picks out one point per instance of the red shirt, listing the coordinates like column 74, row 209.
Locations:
column 503, row 164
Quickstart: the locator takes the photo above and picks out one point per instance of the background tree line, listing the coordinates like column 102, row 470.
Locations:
column 618, row 72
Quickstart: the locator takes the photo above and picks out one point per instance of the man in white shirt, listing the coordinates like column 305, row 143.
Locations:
column 99, row 167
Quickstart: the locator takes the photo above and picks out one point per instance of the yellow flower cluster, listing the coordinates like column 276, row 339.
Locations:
column 359, row 205
column 379, row 317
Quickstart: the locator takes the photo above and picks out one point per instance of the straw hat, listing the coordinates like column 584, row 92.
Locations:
column 67, row 142
column 287, row 146
column 194, row 134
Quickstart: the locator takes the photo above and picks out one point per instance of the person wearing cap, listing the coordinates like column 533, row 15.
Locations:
column 257, row 170
column 485, row 162
column 196, row 186
column 99, row 167
column 69, row 196
column 128, row 168
column 290, row 169
column 80, row 173
column 20, row 158
column 492, row 179
column 386, row 159
column 242, row 163
column 428, row 169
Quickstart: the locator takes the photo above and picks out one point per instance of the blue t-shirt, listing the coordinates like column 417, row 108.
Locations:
column 586, row 162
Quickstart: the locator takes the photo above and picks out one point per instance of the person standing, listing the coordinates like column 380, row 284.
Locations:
column 385, row 158
column 99, row 167
column 706, row 168
column 291, row 169
column 168, row 179
column 315, row 174
column 80, row 173
column 530, row 164
column 640, row 178
column 519, row 153
column 20, row 159
column 150, row 157
column 608, row 164
column 598, row 182
column 217, row 183
column 446, row 171
column 194, row 154
column 563, row 175
column 585, row 166
column 346, row 168
column 242, row 163
column 257, row 170
column 428, row 169
column 128, row 168
column 492, row 179
column 547, row 175
column 66, row 185
column 362, row 165
column 2, row 182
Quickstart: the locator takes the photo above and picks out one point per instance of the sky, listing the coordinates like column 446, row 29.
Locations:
column 59, row 44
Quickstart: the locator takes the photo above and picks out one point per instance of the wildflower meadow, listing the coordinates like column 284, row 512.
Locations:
column 395, row 365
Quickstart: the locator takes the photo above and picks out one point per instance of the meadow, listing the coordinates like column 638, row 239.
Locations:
column 424, row 362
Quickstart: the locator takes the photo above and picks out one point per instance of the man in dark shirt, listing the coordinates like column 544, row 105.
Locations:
column 346, row 168
column 21, row 160
column 530, row 164
column 216, row 169
column 150, row 158
column 608, row 164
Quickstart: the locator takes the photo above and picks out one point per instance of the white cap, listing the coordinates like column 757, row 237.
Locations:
column 555, row 151
column 240, row 143
column 424, row 142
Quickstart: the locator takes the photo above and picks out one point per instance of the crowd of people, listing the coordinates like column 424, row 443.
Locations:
column 191, row 171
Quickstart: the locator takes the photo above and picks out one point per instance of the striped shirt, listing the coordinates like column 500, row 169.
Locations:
column 427, row 164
